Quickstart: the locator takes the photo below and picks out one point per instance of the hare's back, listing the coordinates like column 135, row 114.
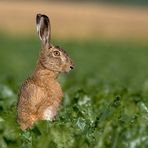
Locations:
column 30, row 95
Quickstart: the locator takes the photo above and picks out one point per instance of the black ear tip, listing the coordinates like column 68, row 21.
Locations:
column 38, row 14
column 41, row 15
column 45, row 17
column 38, row 17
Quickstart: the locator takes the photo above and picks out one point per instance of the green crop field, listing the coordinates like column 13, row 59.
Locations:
column 106, row 95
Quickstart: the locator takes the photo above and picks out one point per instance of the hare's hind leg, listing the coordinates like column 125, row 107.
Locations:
column 26, row 117
column 26, row 120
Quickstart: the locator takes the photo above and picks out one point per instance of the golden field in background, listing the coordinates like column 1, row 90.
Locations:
column 72, row 20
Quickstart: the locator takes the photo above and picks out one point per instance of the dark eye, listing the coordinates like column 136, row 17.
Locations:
column 56, row 53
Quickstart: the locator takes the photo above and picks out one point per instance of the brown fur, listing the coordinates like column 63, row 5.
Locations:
column 42, row 90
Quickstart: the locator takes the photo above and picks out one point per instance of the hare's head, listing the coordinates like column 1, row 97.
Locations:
column 52, row 57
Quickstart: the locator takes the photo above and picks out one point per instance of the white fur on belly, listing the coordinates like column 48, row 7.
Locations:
column 48, row 114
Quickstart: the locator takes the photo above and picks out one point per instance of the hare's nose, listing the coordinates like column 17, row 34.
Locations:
column 71, row 67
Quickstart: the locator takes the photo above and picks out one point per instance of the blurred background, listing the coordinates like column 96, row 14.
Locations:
column 108, row 42
column 80, row 19
column 79, row 23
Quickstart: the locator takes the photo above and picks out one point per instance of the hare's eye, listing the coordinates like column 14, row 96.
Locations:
column 56, row 53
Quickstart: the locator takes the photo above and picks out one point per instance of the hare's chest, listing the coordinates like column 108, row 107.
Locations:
column 53, row 100
column 54, row 91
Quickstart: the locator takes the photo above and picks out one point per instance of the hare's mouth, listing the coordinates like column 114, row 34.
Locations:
column 68, row 69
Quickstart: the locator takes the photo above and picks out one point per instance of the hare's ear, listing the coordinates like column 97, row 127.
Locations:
column 43, row 28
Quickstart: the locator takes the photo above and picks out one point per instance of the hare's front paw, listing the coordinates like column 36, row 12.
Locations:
column 49, row 114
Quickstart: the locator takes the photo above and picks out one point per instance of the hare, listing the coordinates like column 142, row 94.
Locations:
column 40, row 95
